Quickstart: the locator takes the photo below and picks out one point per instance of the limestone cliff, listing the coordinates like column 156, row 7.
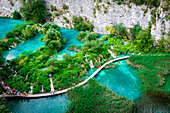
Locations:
column 104, row 14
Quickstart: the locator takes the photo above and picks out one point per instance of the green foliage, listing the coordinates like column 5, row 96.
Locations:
column 67, row 21
column 16, row 15
column 144, row 41
column 53, row 8
column 163, row 45
column 34, row 10
column 152, row 69
column 3, row 108
column 86, row 36
column 95, row 98
column 153, row 17
column 28, row 32
column 52, row 39
column 95, row 46
column 119, row 48
column 105, row 37
column 135, row 31
column 46, row 26
column 149, row 3
column 107, row 28
column 120, row 30
column 81, row 24
column 65, row 6
column 14, row 36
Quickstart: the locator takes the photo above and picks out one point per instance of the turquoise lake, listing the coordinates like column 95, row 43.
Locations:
column 55, row 104
column 31, row 44
column 7, row 25
column 122, row 80
column 69, row 35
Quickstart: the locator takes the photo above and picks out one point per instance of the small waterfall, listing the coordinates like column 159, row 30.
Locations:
column 42, row 89
column 91, row 64
column 15, row 73
column 111, row 47
column 111, row 53
column 31, row 91
column 52, row 87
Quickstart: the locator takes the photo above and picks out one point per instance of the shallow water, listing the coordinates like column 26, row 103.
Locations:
column 69, row 35
column 55, row 104
column 31, row 44
column 122, row 80
column 7, row 25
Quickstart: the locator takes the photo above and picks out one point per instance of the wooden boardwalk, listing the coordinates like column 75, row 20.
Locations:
column 65, row 90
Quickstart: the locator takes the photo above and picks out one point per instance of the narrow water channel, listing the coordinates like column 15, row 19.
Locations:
column 7, row 25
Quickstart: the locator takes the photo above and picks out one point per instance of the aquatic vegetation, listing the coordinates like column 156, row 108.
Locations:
column 152, row 72
column 96, row 98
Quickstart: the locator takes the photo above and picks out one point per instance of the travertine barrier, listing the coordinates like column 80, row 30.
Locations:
column 65, row 90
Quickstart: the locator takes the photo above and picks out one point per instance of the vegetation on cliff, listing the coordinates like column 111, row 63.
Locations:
column 16, row 15
column 34, row 10
column 82, row 24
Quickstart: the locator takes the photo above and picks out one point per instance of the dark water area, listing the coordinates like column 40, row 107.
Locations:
column 55, row 104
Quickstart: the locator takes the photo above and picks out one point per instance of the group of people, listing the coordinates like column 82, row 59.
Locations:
column 15, row 92
column 10, row 91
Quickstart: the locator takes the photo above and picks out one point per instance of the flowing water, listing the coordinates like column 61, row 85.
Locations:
column 31, row 44
column 123, row 79
column 7, row 25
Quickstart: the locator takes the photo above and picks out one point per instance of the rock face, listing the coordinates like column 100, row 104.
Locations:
column 107, row 14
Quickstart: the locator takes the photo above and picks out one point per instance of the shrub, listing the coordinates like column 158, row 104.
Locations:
column 16, row 15
column 81, row 24
column 65, row 6
column 34, row 10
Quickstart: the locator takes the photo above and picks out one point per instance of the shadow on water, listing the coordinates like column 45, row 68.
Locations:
column 55, row 104
column 146, row 104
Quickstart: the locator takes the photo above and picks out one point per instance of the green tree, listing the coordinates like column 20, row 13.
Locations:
column 144, row 41
column 16, row 15
column 120, row 30
column 34, row 10
column 135, row 31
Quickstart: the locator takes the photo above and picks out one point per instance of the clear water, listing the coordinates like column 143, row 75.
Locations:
column 122, row 80
column 55, row 104
column 7, row 25
column 69, row 35
column 31, row 44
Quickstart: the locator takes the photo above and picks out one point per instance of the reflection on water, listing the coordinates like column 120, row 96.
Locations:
column 55, row 104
